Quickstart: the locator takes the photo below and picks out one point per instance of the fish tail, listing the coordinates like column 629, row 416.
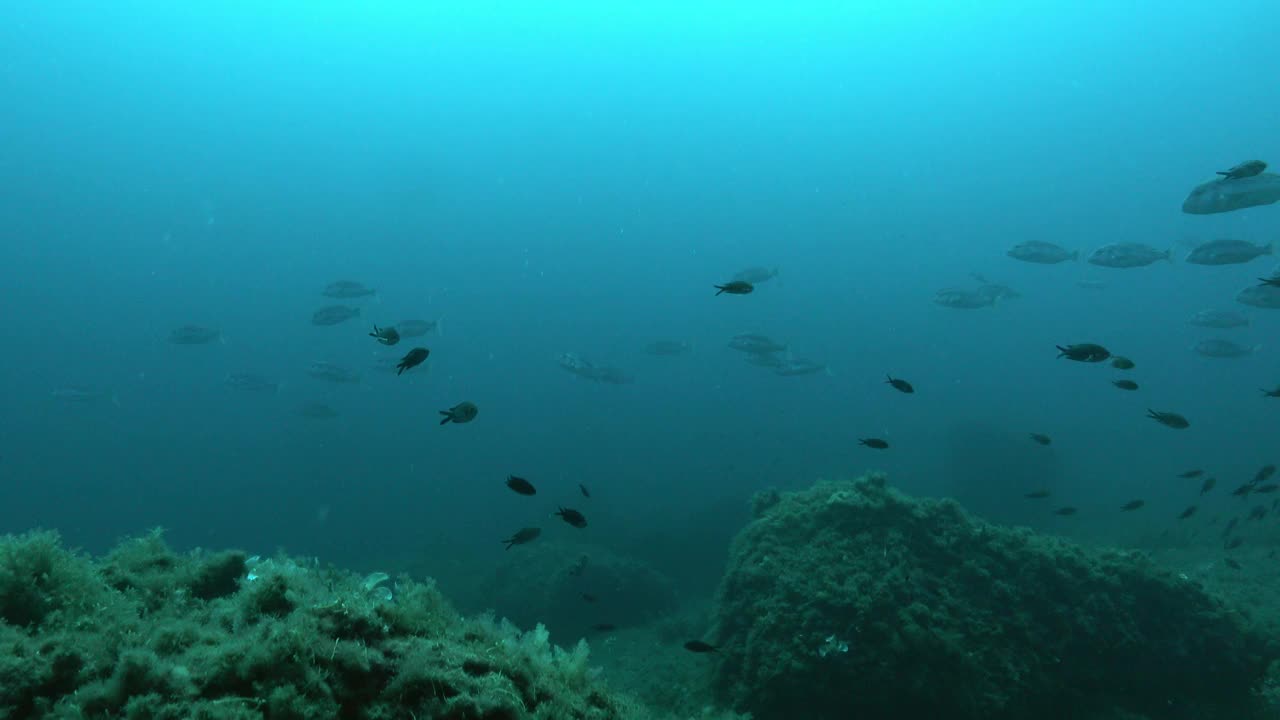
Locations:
column 447, row 417
column 720, row 289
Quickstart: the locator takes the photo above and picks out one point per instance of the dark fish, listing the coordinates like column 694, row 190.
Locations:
column 1227, row 252
column 1265, row 489
column 876, row 443
column 334, row 314
column 1233, row 543
column 583, row 489
column 573, row 517
column 1132, row 505
column 1264, row 473
column 1191, row 510
column 700, row 647
column 589, row 597
column 1127, row 255
column 1208, row 485
column 1037, row 495
column 1191, row 473
column 1120, row 362
column 756, row 275
column 193, row 335
column 521, row 486
column 1068, row 510
column 387, row 335
column 1242, row 491
column 1169, row 419
column 1230, row 526
column 1271, row 393
column 1040, row 438
column 899, row 384
column 1246, row 169
column 412, row 359
column 463, row 412
column 1258, row 512
column 735, row 287
column 1125, row 384
column 1273, row 281
column 604, row 627
column 1084, row 352
column 346, row 289
column 523, row 536
column 1042, row 253
column 1232, row 563
column 1266, row 296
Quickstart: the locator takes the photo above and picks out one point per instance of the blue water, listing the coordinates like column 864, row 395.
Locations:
column 575, row 178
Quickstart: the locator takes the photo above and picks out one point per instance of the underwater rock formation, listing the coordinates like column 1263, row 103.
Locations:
column 147, row 633
column 850, row 599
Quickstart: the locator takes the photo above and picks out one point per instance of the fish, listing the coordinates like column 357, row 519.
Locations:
column 1208, row 485
column 386, row 336
column 1191, row 474
column 1266, row 489
column 1084, row 352
column 252, row 383
column 962, row 299
column 317, row 411
column 1264, row 473
column 1232, row 563
column 333, row 315
column 1219, row 348
column 587, row 370
column 1127, row 255
column 346, row 290
column 521, row 486
column 755, row 275
column 698, row 646
column 766, row 360
column 1219, row 319
column 899, row 384
column 1266, row 297
column 331, row 372
column 1227, row 252
column 735, row 287
column 1169, row 419
column 83, row 395
column 1132, row 505
column 1037, row 495
column 585, row 492
column 668, row 348
column 573, row 517
column 522, row 536
column 1233, row 543
column 876, row 443
column 194, row 335
column 1040, row 438
column 1125, row 384
column 1041, row 253
column 1229, row 194
column 800, row 366
column 1271, row 393
column 755, row 344
column 1243, row 491
column 463, row 412
column 1191, row 510
column 412, row 359
column 1246, row 169
column 1120, row 362
column 588, row 597
column 417, row 328
column 1066, row 511
column 1273, row 281
column 1258, row 512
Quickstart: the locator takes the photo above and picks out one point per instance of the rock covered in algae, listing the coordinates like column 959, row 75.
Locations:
column 851, row 600
column 148, row 633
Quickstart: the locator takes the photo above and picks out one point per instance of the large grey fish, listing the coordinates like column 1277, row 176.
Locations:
column 756, row 275
column 1042, row 253
column 587, row 370
column 1126, row 255
column 193, row 335
column 334, row 314
column 1220, row 319
column 755, row 344
column 252, row 383
column 1227, row 252
column 332, row 372
column 800, row 366
column 1260, row 296
column 416, row 328
column 963, row 299
column 1227, row 194
column 347, row 289
column 1218, row 348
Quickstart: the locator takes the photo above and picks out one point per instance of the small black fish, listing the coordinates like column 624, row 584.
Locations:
column 700, row 647
column 1264, row 473
column 899, row 384
column 1191, row 510
column 736, row 287
column 604, row 627
column 1040, row 438
column 1191, row 474
column 573, row 517
column 1122, row 363
column 1037, row 495
column 1233, row 543
column 1230, row 526
column 589, row 597
column 523, row 536
column 1232, row 563
column 1243, row 491
column 1258, row 512
column 876, row 443
column 1125, row 384
column 1084, row 352
column 1271, row 393
column 1169, row 419
column 412, row 359
column 585, row 492
column 1068, row 510
column 1208, row 485
column 387, row 336
column 1268, row 488
column 521, row 486
column 1132, row 505
column 463, row 412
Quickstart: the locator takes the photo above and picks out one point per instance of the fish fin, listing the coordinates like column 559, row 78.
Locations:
column 447, row 417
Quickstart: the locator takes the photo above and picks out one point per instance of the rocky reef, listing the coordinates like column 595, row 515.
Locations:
column 148, row 633
column 850, row 599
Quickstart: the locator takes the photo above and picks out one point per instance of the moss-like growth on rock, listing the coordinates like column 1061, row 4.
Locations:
column 852, row 600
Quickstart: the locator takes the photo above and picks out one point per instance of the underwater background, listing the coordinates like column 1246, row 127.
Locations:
column 571, row 178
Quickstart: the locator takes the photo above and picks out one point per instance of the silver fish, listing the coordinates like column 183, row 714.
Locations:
column 1227, row 252
column 1220, row 319
column 417, row 328
column 1218, row 348
column 333, row 373
column 962, row 299
column 334, row 314
column 801, row 366
column 756, row 275
column 1041, row 253
column 347, row 289
column 755, row 344
column 1126, row 255
column 251, row 383
column 1260, row 296
column 583, row 368
column 1227, row 194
